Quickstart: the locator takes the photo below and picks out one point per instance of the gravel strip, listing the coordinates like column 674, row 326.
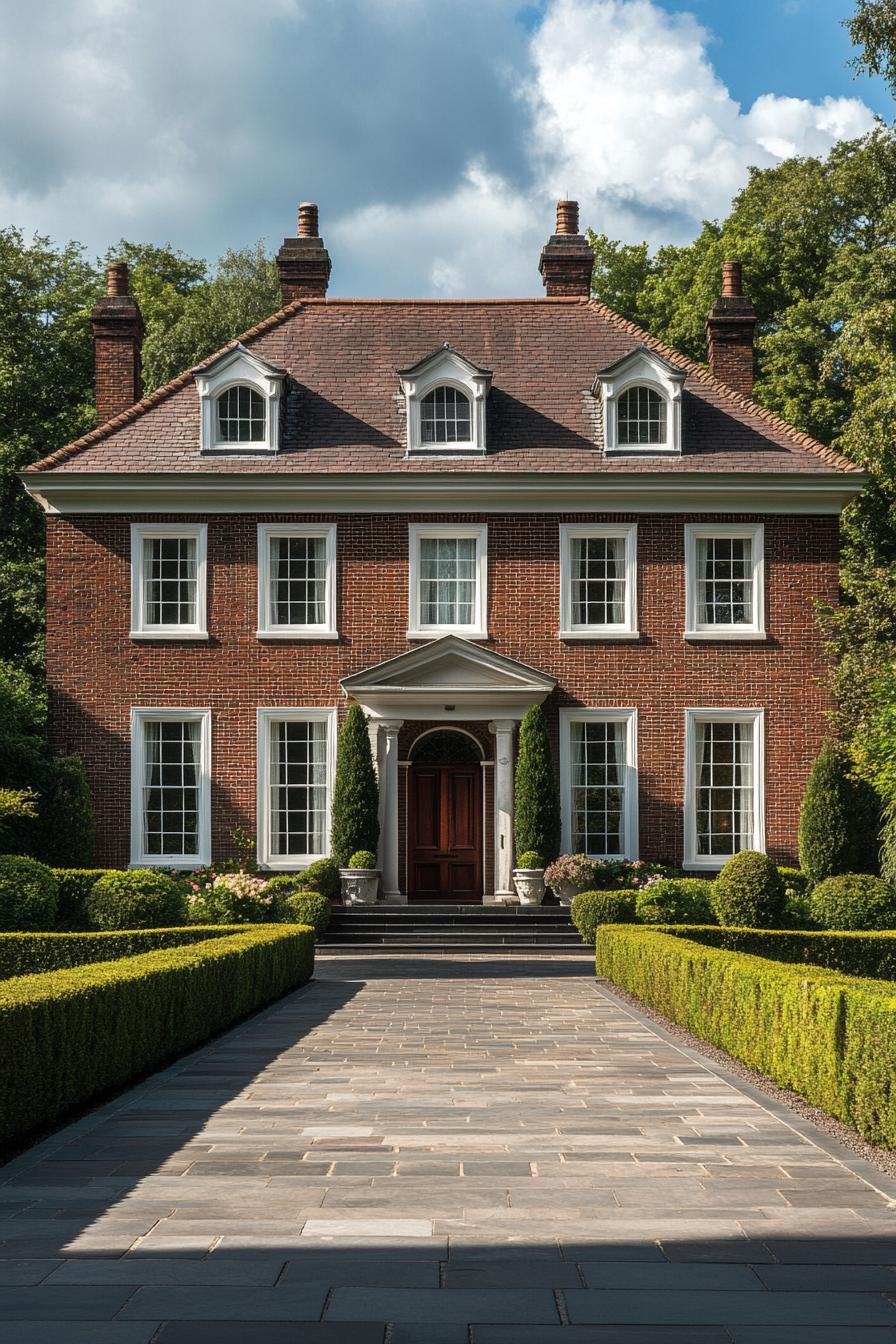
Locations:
column 882, row 1158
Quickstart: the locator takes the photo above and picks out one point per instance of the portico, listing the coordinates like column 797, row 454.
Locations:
column 449, row 682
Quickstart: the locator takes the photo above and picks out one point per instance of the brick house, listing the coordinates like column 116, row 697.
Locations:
column 447, row 511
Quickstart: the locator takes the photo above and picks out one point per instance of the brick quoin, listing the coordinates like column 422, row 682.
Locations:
column 96, row 673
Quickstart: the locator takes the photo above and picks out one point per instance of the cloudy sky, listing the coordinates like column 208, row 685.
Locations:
column 435, row 134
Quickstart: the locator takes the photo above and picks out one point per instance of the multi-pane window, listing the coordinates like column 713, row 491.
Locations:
column 296, row 580
column 444, row 417
column 640, row 417
column 598, row 578
column 294, row 784
column 170, row 812
column 724, row 580
column 447, row 578
column 599, row 790
column 168, row 580
column 241, row 415
column 723, row 809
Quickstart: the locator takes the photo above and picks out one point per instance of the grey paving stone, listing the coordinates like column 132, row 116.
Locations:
column 842, row 1251
column 429, row 1334
column 601, row 1334
column 672, row 1278
column 294, row 1302
column 731, row 1251
column 268, row 1332
column 21, row 1273
column 139, row 1270
column 812, row 1334
column 462, row 1305
column 727, row 1308
column 355, row 1270
column 519, row 1273
column 828, row 1278
column 83, row 1332
column 44, row 1303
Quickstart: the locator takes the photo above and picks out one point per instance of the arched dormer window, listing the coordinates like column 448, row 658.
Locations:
column 445, row 416
column 641, row 396
column 445, row 397
column 239, row 399
column 241, row 415
column 640, row 417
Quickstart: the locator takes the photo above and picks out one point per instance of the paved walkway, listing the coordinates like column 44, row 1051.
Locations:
column 439, row 1152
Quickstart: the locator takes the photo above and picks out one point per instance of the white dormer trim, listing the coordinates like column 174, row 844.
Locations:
column 445, row 368
column 642, row 367
column 239, row 367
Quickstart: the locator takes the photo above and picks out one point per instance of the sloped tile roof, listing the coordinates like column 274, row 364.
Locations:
column 345, row 413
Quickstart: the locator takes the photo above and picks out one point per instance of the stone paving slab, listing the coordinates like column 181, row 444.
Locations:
column 445, row 1152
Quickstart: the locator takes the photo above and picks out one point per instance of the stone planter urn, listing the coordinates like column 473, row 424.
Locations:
column 359, row 885
column 529, row 884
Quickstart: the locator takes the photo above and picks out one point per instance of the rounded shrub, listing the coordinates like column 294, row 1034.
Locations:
column 590, row 909
column 306, row 907
column 75, row 885
column 322, row 876
column 139, row 899
column 856, row 901
column 530, row 858
column 29, row 895
column 362, row 858
column 749, row 892
column 676, row 900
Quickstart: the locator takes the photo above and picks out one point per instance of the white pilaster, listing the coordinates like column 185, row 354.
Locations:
column 503, row 731
column 388, row 762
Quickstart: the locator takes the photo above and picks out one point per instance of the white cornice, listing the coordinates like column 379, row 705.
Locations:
column 72, row 492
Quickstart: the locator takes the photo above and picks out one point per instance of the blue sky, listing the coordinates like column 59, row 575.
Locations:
column 434, row 136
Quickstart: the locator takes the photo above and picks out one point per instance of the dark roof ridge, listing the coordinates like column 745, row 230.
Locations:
column 702, row 373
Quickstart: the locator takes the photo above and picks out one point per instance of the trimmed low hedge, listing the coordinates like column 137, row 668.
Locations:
column 864, row 954
column 590, row 909
column 69, row 1036
column 828, row 1036
column 34, row 953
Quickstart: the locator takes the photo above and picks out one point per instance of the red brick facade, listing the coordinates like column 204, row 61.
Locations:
column 97, row 673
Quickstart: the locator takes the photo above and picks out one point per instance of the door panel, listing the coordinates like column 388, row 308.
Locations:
column 445, row 832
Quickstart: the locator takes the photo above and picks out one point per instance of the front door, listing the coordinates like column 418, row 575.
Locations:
column 445, row 832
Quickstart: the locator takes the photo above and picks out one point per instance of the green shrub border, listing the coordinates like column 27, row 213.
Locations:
column 68, row 1036
column 828, row 1036
column 34, row 953
column 869, row 955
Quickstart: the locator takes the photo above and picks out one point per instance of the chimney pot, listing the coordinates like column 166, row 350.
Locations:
column 308, row 220
column 729, row 332
column 117, row 279
column 567, row 217
column 303, row 263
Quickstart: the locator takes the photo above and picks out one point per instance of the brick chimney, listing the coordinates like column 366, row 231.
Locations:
column 566, row 260
column 729, row 332
column 117, row 340
column 303, row 263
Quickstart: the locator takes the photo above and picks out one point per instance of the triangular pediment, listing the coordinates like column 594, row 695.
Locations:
column 452, row 670
column 238, row 357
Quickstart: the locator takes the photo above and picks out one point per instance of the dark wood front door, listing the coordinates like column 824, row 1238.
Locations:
column 445, row 832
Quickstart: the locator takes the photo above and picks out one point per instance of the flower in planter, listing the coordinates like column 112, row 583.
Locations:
column 577, row 869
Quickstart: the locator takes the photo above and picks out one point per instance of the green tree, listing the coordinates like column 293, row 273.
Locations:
column 355, row 824
column 873, row 29
column 839, row 819
column 536, row 817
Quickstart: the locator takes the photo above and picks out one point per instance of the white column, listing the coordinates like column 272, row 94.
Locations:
column 503, row 731
column 388, row 760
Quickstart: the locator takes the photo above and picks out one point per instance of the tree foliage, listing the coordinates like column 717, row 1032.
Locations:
column 536, row 817
column 355, row 824
column 873, row 29
column 839, row 821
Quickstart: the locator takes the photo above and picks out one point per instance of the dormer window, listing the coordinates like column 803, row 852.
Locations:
column 239, row 399
column 445, row 397
column 242, row 416
column 641, row 396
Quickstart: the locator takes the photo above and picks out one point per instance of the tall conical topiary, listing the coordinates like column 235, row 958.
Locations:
column 536, row 816
column 839, row 819
column 355, row 822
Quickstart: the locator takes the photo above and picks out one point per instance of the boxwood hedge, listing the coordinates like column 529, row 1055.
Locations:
column 67, row 1036
column 829, row 1036
column 864, row 954
column 32, row 953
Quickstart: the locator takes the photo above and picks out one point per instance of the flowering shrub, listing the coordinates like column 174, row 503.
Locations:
column 577, row 869
column 606, row 874
column 228, row 898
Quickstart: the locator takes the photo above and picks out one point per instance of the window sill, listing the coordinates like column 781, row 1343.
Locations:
column 299, row 632
column 187, row 863
column 600, row 633
column 168, row 634
column 439, row 632
column 296, row 863
column 726, row 634
column 238, row 450
column 648, row 450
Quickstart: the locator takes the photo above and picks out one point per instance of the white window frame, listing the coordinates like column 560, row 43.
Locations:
column 641, row 368
column 628, row 629
column 238, row 367
column 478, row 629
column 264, row 718
column 755, row 717
column 141, row 532
column 140, row 716
column 266, row 628
column 445, row 368
column 753, row 532
column 629, row 717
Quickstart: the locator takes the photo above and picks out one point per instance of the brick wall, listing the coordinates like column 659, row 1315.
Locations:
column 96, row 673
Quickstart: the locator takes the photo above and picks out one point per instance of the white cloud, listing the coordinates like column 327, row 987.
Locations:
column 435, row 137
